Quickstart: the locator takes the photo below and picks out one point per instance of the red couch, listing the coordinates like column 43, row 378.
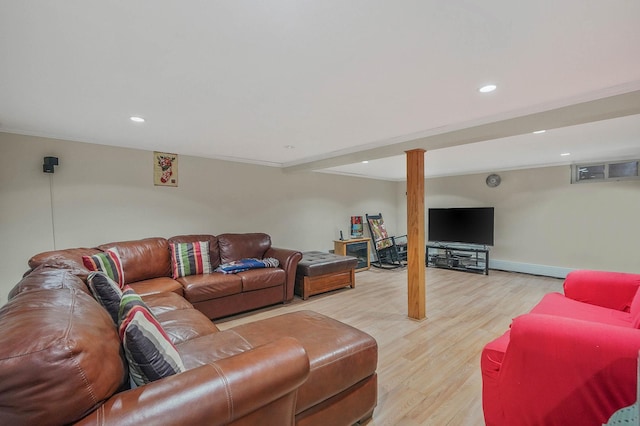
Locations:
column 571, row 360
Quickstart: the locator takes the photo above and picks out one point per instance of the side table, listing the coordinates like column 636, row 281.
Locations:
column 357, row 247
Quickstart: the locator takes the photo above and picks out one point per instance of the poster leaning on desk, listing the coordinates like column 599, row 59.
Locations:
column 356, row 227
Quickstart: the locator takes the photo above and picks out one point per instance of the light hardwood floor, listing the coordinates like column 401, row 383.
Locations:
column 428, row 371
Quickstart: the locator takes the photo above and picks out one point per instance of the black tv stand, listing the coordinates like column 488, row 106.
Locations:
column 461, row 257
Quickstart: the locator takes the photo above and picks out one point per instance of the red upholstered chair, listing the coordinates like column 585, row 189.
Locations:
column 628, row 415
column 571, row 360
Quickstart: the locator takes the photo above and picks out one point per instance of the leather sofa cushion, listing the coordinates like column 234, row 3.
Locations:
column 210, row 286
column 213, row 347
column 164, row 302
column 157, row 285
column 185, row 324
column 143, row 259
column 241, row 246
column 45, row 277
column 70, row 259
column 339, row 355
column 214, row 252
column 256, row 279
column 60, row 356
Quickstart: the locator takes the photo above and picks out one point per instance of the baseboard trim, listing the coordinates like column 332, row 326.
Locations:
column 529, row 268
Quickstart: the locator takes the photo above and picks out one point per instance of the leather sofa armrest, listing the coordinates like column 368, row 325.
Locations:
column 562, row 370
column 262, row 382
column 289, row 262
column 613, row 290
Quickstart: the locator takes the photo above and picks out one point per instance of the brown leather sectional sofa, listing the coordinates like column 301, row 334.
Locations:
column 62, row 362
column 147, row 269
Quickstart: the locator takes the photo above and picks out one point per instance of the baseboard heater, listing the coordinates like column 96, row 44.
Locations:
column 529, row 268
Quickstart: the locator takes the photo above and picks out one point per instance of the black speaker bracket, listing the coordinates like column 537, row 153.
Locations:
column 49, row 163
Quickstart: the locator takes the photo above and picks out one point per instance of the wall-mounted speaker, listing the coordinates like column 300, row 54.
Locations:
column 49, row 162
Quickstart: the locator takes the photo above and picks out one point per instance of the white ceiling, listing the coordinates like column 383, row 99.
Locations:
column 612, row 139
column 340, row 81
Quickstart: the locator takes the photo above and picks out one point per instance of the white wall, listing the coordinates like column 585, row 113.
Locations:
column 544, row 224
column 102, row 194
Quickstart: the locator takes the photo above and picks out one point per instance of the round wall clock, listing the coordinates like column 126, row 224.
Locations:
column 493, row 180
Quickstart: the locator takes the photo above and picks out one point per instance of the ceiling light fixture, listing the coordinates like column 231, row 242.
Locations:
column 537, row 132
column 565, row 154
column 488, row 88
column 136, row 119
column 365, row 162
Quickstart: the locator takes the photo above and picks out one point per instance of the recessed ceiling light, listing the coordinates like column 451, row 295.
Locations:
column 365, row 162
column 137, row 119
column 289, row 147
column 488, row 88
column 565, row 154
column 537, row 132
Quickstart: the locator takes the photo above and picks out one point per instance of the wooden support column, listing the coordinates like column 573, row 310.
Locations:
column 415, row 234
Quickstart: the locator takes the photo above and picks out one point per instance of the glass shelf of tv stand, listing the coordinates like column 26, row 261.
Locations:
column 461, row 257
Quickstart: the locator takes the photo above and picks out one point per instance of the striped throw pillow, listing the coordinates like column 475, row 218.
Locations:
column 107, row 262
column 190, row 258
column 106, row 291
column 147, row 347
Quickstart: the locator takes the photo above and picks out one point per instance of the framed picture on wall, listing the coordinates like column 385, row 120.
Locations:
column 165, row 169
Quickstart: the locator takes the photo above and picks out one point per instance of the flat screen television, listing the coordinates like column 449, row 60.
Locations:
column 468, row 225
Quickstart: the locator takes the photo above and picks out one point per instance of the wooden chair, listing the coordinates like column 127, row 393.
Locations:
column 391, row 252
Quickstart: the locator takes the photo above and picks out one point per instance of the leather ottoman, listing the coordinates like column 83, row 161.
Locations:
column 319, row 272
column 341, row 388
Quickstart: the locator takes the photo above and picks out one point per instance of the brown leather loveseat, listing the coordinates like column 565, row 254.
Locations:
column 62, row 362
